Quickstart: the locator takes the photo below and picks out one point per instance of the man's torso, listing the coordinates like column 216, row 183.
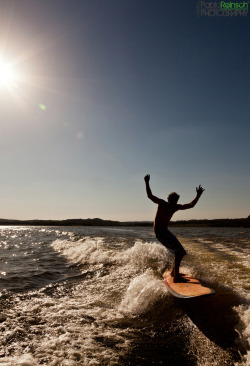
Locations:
column 163, row 215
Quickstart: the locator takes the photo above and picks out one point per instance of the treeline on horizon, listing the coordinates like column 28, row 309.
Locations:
column 244, row 222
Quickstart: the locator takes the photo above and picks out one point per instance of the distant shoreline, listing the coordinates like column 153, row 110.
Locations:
column 244, row 222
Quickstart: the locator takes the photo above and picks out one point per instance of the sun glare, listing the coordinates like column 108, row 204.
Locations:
column 7, row 75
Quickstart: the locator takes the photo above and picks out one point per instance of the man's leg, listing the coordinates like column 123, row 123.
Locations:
column 170, row 242
column 176, row 267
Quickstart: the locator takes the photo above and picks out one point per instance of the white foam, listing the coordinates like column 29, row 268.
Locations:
column 147, row 255
column 24, row 360
column 94, row 251
column 143, row 292
column 88, row 251
column 243, row 330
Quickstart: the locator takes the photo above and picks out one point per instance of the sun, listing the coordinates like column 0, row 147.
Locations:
column 8, row 75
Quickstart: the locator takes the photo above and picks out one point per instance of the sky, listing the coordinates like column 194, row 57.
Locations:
column 107, row 91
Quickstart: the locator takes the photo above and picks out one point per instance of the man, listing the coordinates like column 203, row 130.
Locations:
column 163, row 215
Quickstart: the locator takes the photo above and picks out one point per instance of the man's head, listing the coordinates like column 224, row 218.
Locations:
column 173, row 198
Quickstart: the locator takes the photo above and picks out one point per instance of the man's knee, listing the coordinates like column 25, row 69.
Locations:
column 180, row 253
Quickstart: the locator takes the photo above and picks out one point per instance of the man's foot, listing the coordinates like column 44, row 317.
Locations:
column 180, row 279
column 172, row 274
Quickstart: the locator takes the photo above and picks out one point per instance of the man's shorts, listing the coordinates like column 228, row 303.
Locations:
column 170, row 241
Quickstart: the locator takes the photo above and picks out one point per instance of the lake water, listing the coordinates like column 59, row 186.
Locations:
column 95, row 296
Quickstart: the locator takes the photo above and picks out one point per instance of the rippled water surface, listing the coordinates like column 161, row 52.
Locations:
column 95, row 296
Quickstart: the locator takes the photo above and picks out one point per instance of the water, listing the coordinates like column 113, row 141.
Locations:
column 95, row 296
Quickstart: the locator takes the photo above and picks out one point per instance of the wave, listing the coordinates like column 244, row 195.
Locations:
column 112, row 307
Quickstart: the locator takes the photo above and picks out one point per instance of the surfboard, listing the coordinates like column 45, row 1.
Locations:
column 190, row 289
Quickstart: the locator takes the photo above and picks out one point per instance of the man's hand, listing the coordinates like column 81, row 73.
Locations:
column 146, row 178
column 199, row 190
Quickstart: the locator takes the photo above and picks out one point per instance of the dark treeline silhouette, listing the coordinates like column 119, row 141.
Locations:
column 214, row 223
column 244, row 222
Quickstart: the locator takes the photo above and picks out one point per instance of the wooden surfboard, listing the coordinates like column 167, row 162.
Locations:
column 191, row 288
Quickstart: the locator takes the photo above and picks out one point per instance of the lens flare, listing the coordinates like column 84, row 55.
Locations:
column 7, row 75
column 42, row 107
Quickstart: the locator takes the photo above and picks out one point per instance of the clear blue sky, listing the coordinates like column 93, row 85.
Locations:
column 130, row 87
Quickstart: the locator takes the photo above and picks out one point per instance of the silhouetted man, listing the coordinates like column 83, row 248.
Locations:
column 163, row 215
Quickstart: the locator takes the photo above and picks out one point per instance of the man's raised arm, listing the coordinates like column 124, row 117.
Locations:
column 199, row 191
column 149, row 193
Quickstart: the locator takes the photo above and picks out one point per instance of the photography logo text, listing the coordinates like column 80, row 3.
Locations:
column 222, row 8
